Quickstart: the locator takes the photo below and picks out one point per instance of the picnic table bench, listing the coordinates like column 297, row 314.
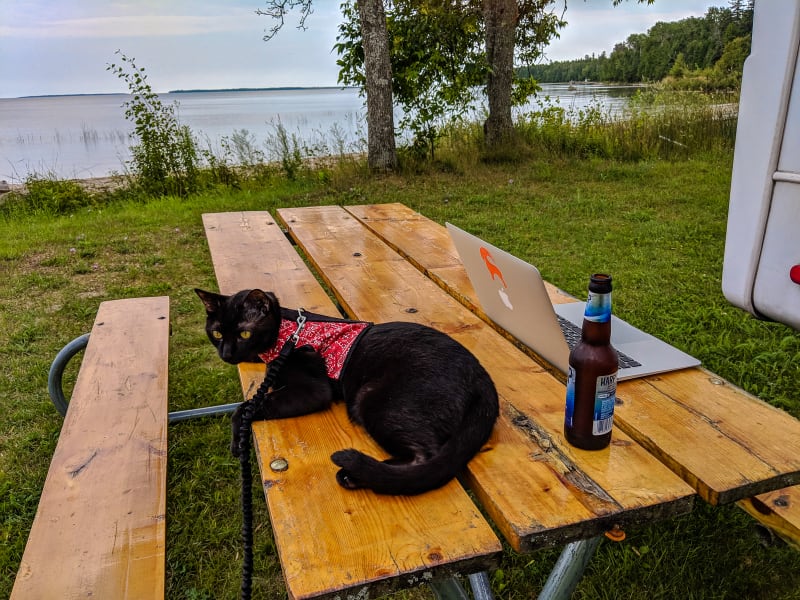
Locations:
column 100, row 527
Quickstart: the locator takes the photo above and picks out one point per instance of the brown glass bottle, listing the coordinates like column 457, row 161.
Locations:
column 592, row 377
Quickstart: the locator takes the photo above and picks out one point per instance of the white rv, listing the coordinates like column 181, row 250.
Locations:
column 761, row 273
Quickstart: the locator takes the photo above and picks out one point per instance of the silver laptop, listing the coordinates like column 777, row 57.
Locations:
column 513, row 295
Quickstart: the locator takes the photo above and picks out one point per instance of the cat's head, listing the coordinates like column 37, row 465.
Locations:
column 243, row 325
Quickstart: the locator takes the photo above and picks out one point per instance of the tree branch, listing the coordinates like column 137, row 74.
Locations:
column 278, row 9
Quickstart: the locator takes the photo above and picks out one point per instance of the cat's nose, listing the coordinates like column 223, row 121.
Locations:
column 226, row 353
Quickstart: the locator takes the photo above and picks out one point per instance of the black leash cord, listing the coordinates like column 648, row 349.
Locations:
column 248, row 409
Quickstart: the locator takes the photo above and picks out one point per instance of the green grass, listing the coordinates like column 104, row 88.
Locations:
column 657, row 226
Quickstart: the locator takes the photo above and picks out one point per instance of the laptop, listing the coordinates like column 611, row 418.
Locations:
column 512, row 294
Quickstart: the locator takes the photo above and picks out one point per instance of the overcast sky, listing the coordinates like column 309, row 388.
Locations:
column 64, row 46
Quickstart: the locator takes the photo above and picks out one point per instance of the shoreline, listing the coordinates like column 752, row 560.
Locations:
column 107, row 183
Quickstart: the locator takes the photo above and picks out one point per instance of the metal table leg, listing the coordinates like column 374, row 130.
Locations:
column 448, row 589
column 451, row 589
column 569, row 569
column 481, row 589
column 193, row 413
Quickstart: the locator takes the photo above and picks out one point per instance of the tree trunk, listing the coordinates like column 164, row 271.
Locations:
column 500, row 17
column 382, row 154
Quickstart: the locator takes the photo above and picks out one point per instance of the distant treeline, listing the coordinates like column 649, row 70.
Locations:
column 714, row 45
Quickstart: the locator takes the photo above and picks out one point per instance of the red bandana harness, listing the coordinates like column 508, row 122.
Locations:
column 332, row 339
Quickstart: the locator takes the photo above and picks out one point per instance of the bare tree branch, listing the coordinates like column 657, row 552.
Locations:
column 278, row 9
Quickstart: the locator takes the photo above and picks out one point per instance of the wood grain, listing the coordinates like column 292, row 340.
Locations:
column 727, row 444
column 538, row 490
column 780, row 511
column 100, row 527
column 331, row 540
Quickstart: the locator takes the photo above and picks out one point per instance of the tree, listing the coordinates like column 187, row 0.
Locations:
column 692, row 47
column 381, row 152
column 679, row 68
column 436, row 63
column 434, row 52
column 500, row 18
column 520, row 28
column 165, row 158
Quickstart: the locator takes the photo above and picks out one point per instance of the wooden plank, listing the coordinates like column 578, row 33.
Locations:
column 329, row 539
column 100, row 526
column 428, row 246
column 724, row 442
column 538, row 490
column 778, row 510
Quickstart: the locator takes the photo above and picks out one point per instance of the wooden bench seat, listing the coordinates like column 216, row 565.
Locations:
column 729, row 445
column 100, row 528
column 779, row 511
column 538, row 490
column 333, row 542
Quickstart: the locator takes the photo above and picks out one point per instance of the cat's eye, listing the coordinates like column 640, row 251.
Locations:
column 216, row 335
column 245, row 335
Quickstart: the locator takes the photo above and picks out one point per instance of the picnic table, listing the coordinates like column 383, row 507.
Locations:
column 678, row 435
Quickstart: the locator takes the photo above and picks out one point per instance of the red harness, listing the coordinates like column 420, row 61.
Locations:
column 331, row 339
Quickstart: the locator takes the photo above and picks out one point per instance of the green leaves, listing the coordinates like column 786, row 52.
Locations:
column 166, row 159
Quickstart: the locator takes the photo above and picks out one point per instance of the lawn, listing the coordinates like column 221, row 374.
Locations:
column 657, row 226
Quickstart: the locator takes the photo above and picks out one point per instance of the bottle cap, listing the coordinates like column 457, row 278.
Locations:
column 600, row 283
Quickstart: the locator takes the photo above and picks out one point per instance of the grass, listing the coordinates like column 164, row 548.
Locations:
column 657, row 226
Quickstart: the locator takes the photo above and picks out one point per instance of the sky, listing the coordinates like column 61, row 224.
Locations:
column 64, row 46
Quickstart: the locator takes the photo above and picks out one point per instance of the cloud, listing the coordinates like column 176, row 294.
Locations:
column 130, row 26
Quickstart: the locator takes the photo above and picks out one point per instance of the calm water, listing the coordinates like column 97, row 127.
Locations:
column 88, row 136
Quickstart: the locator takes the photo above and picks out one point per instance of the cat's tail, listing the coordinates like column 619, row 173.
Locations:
column 408, row 479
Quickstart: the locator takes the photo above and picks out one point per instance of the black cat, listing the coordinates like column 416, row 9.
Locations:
column 420, row 394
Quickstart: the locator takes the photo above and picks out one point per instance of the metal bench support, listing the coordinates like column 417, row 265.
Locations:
column 56, row 390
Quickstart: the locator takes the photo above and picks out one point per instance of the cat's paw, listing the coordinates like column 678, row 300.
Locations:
column 345, row 479
column 346, row 459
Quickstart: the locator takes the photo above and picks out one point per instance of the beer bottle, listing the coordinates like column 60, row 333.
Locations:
column 592, row 377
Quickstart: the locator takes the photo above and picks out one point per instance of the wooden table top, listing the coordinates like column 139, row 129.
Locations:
column 330, row 539
column 726, row 443
column 677, row 435
column 537, row 489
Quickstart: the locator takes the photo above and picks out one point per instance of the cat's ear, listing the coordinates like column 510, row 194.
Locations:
column 211, row 300
column 265, row 302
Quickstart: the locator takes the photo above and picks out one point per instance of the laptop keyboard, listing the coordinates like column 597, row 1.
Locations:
column 572, row 333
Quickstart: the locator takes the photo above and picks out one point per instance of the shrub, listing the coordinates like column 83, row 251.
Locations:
column 44, row 194
column 287, row 148
column 166, row 159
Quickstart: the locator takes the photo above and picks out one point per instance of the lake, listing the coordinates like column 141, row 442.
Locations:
column 88, row 136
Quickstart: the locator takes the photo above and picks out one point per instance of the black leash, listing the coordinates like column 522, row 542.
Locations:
column 248, row 409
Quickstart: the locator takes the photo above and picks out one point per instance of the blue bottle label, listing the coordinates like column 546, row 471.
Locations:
column 570, row 410
column 598, row 308
column 605, row 397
